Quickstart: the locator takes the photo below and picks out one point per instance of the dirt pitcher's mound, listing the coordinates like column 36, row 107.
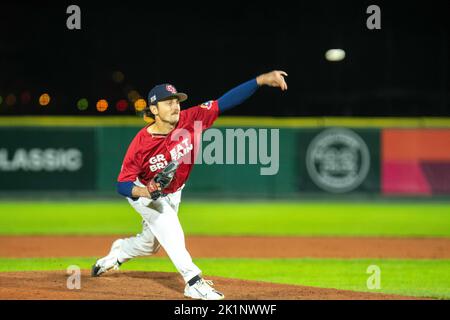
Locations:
column 156, row 286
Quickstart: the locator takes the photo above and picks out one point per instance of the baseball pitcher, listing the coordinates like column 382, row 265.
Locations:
column 155, row 169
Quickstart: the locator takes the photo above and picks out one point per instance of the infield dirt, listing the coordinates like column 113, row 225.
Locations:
column 238, row 247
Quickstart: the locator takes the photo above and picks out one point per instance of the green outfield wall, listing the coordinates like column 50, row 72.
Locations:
column 316, row 156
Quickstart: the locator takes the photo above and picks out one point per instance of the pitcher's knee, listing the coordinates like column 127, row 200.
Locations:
column 151, row 246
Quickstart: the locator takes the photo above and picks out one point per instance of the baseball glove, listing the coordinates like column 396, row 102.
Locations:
column 163, row 178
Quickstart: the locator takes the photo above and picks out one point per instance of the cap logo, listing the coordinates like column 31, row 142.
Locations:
column 153, row 98
column 171, row 88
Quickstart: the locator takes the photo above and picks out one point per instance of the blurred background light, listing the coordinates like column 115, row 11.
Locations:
column 140, row 104
column 102, row 105
column 133, row 96
column 118, row 76
column 82, row 104
column 122, row 105
column 335, row 55
column 25, row 97
column 10, row 100
column 44, row 99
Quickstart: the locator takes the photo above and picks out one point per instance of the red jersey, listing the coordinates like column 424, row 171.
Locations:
column 148, row 154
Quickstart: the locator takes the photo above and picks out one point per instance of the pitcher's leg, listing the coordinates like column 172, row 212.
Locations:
column 163, row 223
column 142, row 244
column 167, row 229
column 123, row 250
column 196, row 287
column 108, row 262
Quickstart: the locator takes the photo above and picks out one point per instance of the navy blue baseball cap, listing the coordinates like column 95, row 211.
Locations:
column 163, row 92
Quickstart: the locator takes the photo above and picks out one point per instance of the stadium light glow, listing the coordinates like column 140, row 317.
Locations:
column 140, row 104
column 122, row 105
column 44, row 99
column 82, row 104
column 118, row 76
column 133, row 95
column 102, row 105
column 10, row 100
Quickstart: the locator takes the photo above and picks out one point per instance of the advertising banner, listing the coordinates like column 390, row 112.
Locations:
column 339, row 160
column 47, row 158
column 416, row 162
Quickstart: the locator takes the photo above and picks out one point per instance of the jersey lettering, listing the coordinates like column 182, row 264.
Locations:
column 157, row 162
column 182, row 149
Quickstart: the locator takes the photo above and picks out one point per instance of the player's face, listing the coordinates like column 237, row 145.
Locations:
column 169, row 110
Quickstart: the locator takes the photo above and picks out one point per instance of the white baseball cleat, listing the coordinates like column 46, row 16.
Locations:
column 202, row 290
column 109, row 262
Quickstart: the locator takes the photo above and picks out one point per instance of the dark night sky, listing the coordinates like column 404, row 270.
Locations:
column 204, row 50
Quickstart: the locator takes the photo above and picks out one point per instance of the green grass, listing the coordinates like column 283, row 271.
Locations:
column 244, row 218
column 421, row 278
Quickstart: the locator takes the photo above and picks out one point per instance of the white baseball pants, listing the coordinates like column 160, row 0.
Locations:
column 161, row 227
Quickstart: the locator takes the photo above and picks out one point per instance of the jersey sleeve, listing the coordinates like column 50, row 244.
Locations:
column 130, row 169
column 207, row 113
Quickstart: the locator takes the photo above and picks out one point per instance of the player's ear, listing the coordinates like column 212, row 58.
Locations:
column 154, row 109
